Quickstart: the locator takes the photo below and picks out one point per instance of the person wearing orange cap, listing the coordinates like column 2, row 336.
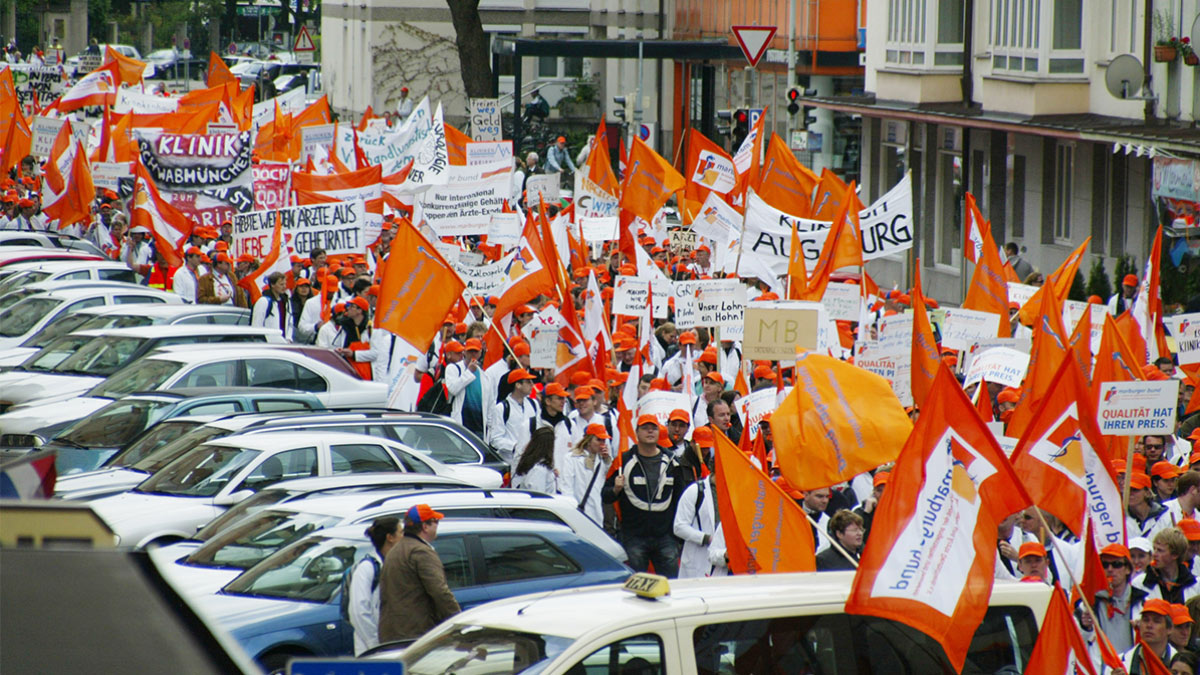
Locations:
column 696, row 522
column 558, row 158
column 186, row 279
column 585, row 412
column 1145, row 516
column 1191, row 531
column 1154, row 629
column 554, row 415
column 1031, row 562
column 673, row 367
column 220, row 287
column 1006, row 402
column 514, row 418
column 1120, row 602
column 647, row 489
column 1181, row 631
column 1123, row 298
column 467, row 385
column 353, row 326
column 413, row 593
column 1169, row 578
column 584, row 469
column 273, row 308
column 1162, row 480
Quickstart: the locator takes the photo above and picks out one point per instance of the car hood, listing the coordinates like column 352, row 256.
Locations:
column 190, row 580
column 43, row 413
column 94, row 484
column 130, row 514
column 15, row 356
column 23, row 386
column 479, row 476
column 235, row 612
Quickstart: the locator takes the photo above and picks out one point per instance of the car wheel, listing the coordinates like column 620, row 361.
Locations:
column 276, row 663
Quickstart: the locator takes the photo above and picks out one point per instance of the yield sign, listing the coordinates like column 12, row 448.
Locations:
column 304, row 41
column 753, row 40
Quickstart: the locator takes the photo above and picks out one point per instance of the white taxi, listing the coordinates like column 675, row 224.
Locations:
column 778, row 623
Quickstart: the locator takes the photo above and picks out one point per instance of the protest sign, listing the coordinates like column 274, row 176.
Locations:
column 45, row 130
column 722, row 303
column 336, row 227
column 470, row 258
column 1000, row 365
column 893, row 365
column 895, row 332
column 773, row 330
column 504, row 230
column 486, row 153
column 464, row 208
column 207, row 177
column 1137, row 408
column 1073, row 310
column 485, row 119
column 543, row 349
column 599, row 229
column 661, row 403
column 630, row 297
column 107, row 175
column 132, row 100
column 40, row 84
column 316, row 136
column 545, row 184
column 683, row 239
column 842, row 301
column 1185, row 328
column 271, row 181
column 592, row 202
column 287, row 102
column 485, row 280
column 753, row 407
column 391, row 149
column 964, row 327
column 449, row 250
column 1020, row 293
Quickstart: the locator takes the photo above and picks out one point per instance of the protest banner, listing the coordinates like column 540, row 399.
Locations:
column 1185, row 328
column 336, row 227
column 464, row 208
column 599, row 229
column 42, row 84
column 1000, row 365
column 287, row 102
column 630, row 297
column 773, row 330
column 391, row 149
column 207, row 177
column 271, row 183
column 661, row 403
column 107, row 175
column 484, row 280
column 842, row 301
column 485, row 119
column 504, row 230
column 545, row 184
column 1137, row 408
column 543, row 348
column 962, row 328
column 485, row 153
column 317, row 136
column 132, row 100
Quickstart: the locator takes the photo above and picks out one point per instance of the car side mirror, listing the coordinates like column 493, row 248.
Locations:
column 232, row 498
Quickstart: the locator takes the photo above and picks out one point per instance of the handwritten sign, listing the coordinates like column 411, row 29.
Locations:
column 1137, row 408
column 842, row 301
column 631, row 295
column 599, row 229
column 544, row 184
column 1001, row 365
column 964, row 327
column 543, row 349
column 484, row 280
column 683, row 239
column 504, row 230
column 773, row 330
column 336, row 227
column 485, row 119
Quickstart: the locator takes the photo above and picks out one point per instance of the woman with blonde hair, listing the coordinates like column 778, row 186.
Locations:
column 585, row 469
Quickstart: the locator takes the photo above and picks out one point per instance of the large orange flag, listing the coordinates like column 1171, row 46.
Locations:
column 1115, row 362
column 1059, row 460
column 837, row 422
column 1060, row 280
column 708, row 168
column 16, row 137
column 1080, row 344
column 170, row 227
column 1049, row 348
column 218, row 73
column 1060, row 648
column 842, row 248
column 418, row 288
column 650, row 181
column 932, row 560
column 129, row 70
column 70, row 191
column 988, row 291
column 599, row 163
column 765, row 529
column 925, row 356
column 828, row 196
column 784, row 182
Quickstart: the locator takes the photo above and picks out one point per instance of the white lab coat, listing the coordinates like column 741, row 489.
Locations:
column 691, row 525
column 716, row 553
column 576, row 475
column 266, row 312
column 539, row 478
column 364, row 605
column 509, row 437
column 310, row 320
column 185, row 284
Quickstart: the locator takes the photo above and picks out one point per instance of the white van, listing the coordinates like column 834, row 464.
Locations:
column 777, row 623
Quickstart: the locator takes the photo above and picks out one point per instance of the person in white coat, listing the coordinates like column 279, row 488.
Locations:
column 585, row 469
column 468, row 387
column 186, row 281
column 272, row 309
column 363, row 601
column 514, row 418
column 535, row 470
column 695, row 522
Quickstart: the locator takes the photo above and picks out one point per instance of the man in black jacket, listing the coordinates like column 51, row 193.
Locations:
column 647, row 488
column 847, row 529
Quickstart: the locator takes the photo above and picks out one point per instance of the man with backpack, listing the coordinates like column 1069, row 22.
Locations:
column 514, row 418
column 360, row 585
column 696, row 519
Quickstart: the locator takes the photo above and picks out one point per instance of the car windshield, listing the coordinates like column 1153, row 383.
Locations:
column 248, row 541
column 481, row 650
column 309, row 571
column 115, row 424
column 154, row 460
column 248, row 506
column 142, row 376
column 102, row 356
column 53, row 354
column 154, row 438
column 199, row 473
column 58, row 328
column 18, row 319
column 13, row 297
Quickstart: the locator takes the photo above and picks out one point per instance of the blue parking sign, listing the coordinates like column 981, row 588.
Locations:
column 755, row 113
column 344, row 667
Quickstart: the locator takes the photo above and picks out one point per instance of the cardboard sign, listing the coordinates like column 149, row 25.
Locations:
column 107, row 175
column 683, row 239
column 484, row 280
column 895, row 332
column 271, row 181
column 842, row 301
column 599, row 229
column 336, row 227
column 1137, row 408
column 661, row 403
column 545, row 184
column 504, row 230
column 630, row 297
column 543, row 349
column 773, row 330
column 1185, row 328
column 592, row 202
column 722, row 303
column 485, row 119
column 1000, row 365
column 964, row 327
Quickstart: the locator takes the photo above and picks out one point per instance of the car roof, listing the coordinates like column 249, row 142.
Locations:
column 574, row 613
column 350, row 480
column 460, row 526
column 178, row 330
column 218, row 351
column 76, row 263
column 219, row 392
column 357, row 504
column 154, row 309
column 289, row 439
column 86, row 288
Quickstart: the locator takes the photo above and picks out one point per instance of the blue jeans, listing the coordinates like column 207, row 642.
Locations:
column 661, row 549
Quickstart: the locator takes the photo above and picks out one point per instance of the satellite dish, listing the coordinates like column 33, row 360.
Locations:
column 1124, row 77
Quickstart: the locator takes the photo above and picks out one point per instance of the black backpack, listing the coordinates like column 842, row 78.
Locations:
column 346, row 580
column 436, row 400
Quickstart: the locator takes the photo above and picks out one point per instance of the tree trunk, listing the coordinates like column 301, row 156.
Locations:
column 229, row 27
column 473, row 48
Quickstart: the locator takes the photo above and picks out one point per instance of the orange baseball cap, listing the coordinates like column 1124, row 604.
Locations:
column 452, row 346
column 473, row 344
column 520, row 349
column 1157, row 606
column 680, row 415
column 360, row 303
column 584, row 391
column 648, row 419
column 518, row 375
column 1139, row 481
column 1031, row 548
column 555, row 389
column 421, row 513
column 881, row 478
column 1180, row 614
column 715, row 377
column 597, row 430
column 687, row 338
column 1116, row 551
column 1164, row 470
column 1190, row 528
column 703, row 437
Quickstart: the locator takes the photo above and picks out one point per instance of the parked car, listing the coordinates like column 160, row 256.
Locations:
column 199, row 485
column 75, row 363
column 124, row 316
column 16, row 295
column 312, row 369
column 27, row 316
column 50, row 240
column 11, row 256
column 55, row 270
column 288, row 604
column 203, row 567
column 87, row 443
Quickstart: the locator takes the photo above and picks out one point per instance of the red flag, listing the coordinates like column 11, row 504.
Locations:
column 1060, row 648
column 925, row 357
column 951, row 479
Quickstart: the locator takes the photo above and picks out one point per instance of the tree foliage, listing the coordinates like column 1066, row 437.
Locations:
column 1098, row 282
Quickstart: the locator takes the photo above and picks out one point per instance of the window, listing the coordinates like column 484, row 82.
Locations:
column 215, row 408
column 360, row 458
column 547, row 66
column 307, row 380
column 80, row 274
column 412, row 464
column 515, row 557
column 921, row 33
column 229, row 319
column 270, row 373
column 453, row 553
column 1064, row 167
column 950, row 196
column 440, row 443
column 278, row 405
column 543, row 515
column 641, row 654
column 118, row 275
column 194, row 320
column 573, row 66
column 208, row 375
column 298, row 463
column 135, row 299
column 1017, row 43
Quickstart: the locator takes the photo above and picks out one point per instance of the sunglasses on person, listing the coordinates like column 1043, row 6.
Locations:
column 1113, row 564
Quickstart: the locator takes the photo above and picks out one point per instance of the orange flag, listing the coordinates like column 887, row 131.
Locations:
column 708, row 168
column 16, row 137
column 842, row 248
column 218, row 73
column 456, row 146
column 837, row 422
column 747, row 159
column 1192, row 371
column 988, row 291
column 1049, row 348
column 1060, row 280
column 925, row 357
column 828, row 195
column 784, row 182
column 366, row 118
column 765, row 529
column 73, row 191
column 1129, row 330
column 418, row 288
column 951, row 479
column 129, row 70
column 1060, row 648
column 599, row 163
column 650, row 181
column 1080, row 344
column 170, row 227
column 1150, row 663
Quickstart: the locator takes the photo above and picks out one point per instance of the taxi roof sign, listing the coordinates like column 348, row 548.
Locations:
column 649, row 586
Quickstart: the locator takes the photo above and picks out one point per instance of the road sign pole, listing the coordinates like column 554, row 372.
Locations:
column 791, row 62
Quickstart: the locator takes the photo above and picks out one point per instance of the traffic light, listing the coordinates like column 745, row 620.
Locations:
column 724, row 122
column 810, row 116
column 622, row 104
column 793, row 97
column 741, row 126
